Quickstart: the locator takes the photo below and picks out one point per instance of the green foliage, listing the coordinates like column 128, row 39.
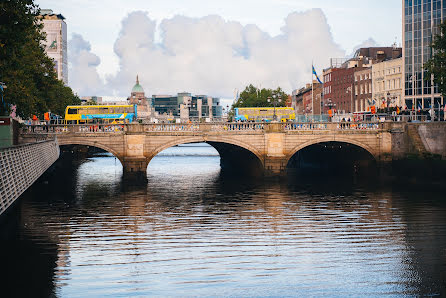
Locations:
column 255, row 97
column 25, row 68
column 436, row 66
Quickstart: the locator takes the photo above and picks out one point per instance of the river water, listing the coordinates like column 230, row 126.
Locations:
column 194, row 231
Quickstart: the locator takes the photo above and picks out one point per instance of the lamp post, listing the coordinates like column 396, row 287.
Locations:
column 350, row 89
column 275, row 98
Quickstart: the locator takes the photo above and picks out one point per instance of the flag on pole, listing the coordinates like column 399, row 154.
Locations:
column 314, row 72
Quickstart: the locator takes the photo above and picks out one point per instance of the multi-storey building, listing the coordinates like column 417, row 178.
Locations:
column 387, row 78
column 340, row 84
column 303, row 99
column 188, row 106
column 363, row 90
column 420, row 22
column 56, row 41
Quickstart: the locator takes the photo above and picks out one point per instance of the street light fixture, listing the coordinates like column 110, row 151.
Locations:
column 350, row 89
column 275, row 99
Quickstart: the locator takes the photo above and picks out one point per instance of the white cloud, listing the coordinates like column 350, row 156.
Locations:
column 83, row 77
column 365, row 44
column 212, row 56
column 206, row 55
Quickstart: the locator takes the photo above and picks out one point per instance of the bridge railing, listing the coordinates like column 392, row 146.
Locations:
column 199, row 127
column 332, row 126
column 72, row 128
column 221, row 126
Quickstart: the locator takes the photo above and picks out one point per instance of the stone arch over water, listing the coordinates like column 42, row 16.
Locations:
column 234, row 155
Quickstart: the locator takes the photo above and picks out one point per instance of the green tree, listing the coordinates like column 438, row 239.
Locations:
column 25, row 68
column 436, row 66
column 256, row 97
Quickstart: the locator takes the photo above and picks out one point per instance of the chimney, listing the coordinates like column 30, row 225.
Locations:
column 396, row 52
column 380, row 56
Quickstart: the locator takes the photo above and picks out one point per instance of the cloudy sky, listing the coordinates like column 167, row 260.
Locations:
column 214, row 46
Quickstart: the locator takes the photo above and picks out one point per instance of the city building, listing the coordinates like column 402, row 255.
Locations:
column 302, row 99
column 363, row 90
column 138, row 98
column 387, row 78
column 338, row 86
column 420, row 23
column 188, row 107
column 96, row 100
column 56, row 41
column 339, row 79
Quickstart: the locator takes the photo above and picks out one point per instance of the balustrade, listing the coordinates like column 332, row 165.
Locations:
column 199, row 127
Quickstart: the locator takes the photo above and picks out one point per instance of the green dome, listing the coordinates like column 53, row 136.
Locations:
column 137, row 87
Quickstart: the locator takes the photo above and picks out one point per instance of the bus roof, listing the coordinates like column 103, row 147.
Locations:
column 265, row 108
column 98, row 106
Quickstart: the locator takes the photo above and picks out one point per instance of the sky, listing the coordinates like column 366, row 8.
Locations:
column 214, row 47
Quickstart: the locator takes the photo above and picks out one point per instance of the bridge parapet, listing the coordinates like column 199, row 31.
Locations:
column 201, row 127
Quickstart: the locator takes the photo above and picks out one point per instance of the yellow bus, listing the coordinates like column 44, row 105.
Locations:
column 283, row 114
column 100, row 114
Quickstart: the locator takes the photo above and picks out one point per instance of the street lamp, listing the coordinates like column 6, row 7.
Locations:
column 350, row 89
column 274, row 101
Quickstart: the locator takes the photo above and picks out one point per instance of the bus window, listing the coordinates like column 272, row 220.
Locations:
column 72, row 111
column 103, row 110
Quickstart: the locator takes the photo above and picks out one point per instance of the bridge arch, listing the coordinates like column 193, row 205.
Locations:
column 209, row 140
column 93, row 144
column 331, row 139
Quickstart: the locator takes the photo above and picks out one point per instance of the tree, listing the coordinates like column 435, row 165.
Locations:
column 436, row 66
column 256, row 97
column 25, row 68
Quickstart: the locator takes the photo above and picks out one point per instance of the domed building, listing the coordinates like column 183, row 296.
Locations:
column 137, row 96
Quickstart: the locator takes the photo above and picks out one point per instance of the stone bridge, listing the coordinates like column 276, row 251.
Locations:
column 268, row 146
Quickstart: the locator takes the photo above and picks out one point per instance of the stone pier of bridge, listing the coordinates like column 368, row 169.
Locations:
column 268, row 146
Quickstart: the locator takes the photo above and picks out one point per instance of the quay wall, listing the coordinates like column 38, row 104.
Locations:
column 21, row 166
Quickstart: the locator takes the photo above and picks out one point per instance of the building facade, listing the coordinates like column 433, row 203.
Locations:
column 387, row 82
column 187, row 106
column 56, row 41
column 362, row 99
column 303, row 101
column 85, row 100
column 338, row 89
column 138, row 98
column 420, row 24
column 346, row 79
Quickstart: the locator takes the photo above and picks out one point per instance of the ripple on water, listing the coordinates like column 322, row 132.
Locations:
column 191, row 231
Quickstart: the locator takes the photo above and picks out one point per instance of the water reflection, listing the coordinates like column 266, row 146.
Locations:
column 194, row 230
